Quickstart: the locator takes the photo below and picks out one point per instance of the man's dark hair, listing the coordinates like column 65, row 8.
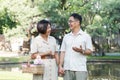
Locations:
column 42, row 26
column 77, row 16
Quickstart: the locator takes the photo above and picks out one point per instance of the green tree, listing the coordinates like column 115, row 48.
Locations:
column 16, row 17
column 101, row 18
column 7, row 20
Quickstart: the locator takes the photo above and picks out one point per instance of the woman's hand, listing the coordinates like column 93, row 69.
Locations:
column 28, row 64
column 33, row 56
column 49, row 52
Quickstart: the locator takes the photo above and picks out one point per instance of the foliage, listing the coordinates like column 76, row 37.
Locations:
column 52, row 10
column 100, row 17
column 58, row 11
column 18, row 12
column 110, row 15
column 6, row 20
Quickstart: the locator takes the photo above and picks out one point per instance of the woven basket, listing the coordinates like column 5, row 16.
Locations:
column 34, row 69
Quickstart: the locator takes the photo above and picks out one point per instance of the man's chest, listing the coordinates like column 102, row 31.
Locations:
column 75, row 41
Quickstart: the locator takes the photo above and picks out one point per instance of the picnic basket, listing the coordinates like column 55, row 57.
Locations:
column 33, row 68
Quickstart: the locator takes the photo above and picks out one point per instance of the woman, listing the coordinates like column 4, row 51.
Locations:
column 44, row 45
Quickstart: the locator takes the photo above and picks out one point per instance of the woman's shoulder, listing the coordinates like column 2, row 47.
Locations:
column 37, row 38
column 51, row 37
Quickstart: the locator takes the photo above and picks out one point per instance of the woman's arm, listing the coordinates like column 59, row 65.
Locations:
column 42, row 54
column 57, row 57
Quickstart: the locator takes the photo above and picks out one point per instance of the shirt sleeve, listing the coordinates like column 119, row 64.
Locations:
column 33, row 47
column 63, row 45
column 89, row 43
column 55, row 43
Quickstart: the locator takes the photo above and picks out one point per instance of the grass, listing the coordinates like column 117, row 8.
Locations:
column 25, row 58
column 14, row 59
column 8, row 75
column 18, row 75
column 104, row 57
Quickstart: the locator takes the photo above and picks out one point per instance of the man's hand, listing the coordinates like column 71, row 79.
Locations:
column 61, row 70
column 78, row 49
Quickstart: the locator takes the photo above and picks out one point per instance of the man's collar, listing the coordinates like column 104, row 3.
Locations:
column 79, row 33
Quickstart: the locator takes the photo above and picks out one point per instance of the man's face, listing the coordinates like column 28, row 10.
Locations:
column 73, row 23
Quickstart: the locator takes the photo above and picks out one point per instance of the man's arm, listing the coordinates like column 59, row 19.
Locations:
column 62, row 54
column 61, row 70
column 86, row 52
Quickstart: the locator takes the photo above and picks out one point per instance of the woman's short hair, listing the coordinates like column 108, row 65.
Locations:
column 42, row 26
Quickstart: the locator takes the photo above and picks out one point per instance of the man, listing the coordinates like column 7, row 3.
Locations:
column 75, row 46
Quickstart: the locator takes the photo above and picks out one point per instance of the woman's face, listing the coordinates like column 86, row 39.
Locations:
column 48, row 30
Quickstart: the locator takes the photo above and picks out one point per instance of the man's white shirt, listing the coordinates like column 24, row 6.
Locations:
column 75, row 61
